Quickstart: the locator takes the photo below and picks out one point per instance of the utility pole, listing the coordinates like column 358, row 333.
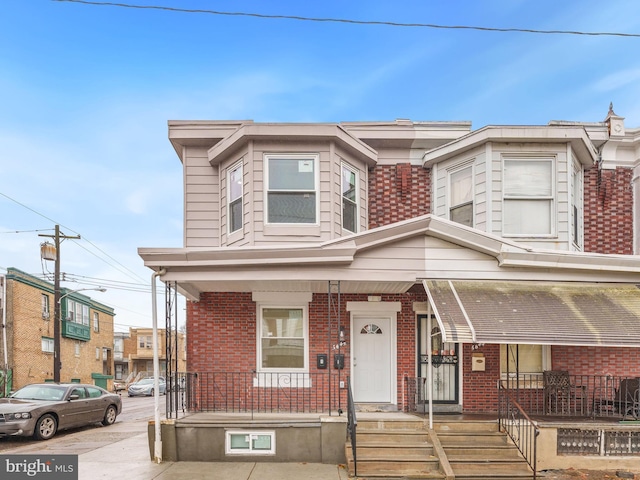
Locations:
column 57, row 316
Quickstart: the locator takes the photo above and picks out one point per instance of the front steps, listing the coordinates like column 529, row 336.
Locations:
column 402, row 447
column 393, row 448
column 476, row 450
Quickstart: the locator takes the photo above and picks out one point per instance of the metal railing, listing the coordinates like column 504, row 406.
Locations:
column 586, row 396
column 352, row 424
column 254, row 392
column 516, row 423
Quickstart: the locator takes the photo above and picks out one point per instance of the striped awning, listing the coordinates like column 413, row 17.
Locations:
column 546, row 313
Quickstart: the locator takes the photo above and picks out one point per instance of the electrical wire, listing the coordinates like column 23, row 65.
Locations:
column 355, row 22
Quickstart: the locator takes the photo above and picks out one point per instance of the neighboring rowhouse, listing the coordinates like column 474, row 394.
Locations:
column 363, row 250
column 86, row 344
column 138, row 352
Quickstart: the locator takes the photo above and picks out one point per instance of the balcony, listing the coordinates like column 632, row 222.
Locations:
column 77, row 331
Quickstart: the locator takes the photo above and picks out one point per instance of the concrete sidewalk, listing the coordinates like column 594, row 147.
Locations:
column 129, row 458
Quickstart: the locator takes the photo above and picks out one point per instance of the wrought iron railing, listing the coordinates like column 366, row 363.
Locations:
column 559, row 393
column 352, row 424
column 254, row 392
column 516, row 423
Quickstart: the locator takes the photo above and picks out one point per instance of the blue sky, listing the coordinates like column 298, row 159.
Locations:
column 86, row 92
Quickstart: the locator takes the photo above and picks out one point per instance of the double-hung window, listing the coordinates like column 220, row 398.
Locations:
column 45, row 306
column 349, row 198
column 292, row 189
column 528, row 197
column 47, row 345
column 283, row 342
column 234, row 198
column 461, row 196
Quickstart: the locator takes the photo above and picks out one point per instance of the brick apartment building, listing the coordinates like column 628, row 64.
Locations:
column 86, row 344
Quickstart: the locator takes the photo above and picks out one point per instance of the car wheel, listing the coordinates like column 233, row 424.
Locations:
column 46, row 427
column 110, row 416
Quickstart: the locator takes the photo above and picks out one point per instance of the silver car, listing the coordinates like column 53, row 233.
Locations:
column 146, row 387
column 41, row 409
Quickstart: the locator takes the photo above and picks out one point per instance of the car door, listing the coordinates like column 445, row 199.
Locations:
column 76, row 410
column 98, row 403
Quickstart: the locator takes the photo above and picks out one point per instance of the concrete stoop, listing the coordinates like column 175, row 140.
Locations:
column 393, row 449
column 456, row 450
column 476, row 450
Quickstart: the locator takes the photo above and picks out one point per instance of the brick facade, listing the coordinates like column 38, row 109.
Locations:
column 26, row 327
column 608, row 211
column 398, row 192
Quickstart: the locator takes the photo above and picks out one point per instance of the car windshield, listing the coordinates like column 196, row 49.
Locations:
column 40, row 392
column 145, row 381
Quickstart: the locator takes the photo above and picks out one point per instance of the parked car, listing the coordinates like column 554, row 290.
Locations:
column 119, row 385
column 146, row 387
column 42, row 409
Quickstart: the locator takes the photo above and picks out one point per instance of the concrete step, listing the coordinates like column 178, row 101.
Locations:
column 390, row 424
column 391, row 438
column 399, row 454
column 480, row 471
column 482, row 452
column 493, row 439
column 470, row 427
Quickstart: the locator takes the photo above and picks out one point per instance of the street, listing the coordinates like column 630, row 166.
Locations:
column 136, row 412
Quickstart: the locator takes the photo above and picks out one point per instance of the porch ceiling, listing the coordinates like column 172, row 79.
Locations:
column 547, row 313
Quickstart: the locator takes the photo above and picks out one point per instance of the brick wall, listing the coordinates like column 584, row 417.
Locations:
column 597, row 360
column 608, row 211
column 398, row 192
column 480, row 389
column 26, row 327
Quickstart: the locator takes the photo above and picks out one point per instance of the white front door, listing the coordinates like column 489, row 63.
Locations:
column 372, row 362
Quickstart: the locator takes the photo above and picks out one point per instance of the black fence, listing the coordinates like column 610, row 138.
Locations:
column 256, row 392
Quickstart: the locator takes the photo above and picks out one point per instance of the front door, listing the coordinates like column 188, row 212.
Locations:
column 372, row 361
column 444, row 356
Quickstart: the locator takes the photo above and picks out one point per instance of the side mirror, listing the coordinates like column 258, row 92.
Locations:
column 74, row 397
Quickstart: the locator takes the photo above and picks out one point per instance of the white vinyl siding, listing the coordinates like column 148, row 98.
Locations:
column 528, row 194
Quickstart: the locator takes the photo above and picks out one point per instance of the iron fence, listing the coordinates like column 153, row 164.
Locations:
column 255, row 392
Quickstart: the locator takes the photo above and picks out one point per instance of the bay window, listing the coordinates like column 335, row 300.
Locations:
column 461, row 196
column 349, row 198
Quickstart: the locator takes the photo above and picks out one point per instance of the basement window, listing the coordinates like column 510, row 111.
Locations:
column 243, row 442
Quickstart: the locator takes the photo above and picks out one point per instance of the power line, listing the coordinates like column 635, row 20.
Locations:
column 355, row 22
column 127, row 271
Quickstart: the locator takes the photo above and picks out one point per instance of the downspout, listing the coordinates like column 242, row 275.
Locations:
column 4, row 336
column 157, row 444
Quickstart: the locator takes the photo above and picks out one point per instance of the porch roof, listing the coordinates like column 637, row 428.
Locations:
column 526, row 312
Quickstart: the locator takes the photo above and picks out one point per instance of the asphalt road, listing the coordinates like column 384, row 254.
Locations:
column 136, row 412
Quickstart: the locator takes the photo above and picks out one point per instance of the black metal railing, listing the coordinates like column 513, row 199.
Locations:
column 352, row 424
column 558, row 393
column 254, row 392
column 416, row 395
column 514, row 421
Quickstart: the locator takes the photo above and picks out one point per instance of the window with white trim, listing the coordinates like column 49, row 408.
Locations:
column 45, row 306
column 528, row 361
column 77, row 349
column 349, row 198
column 234, row 198
column 461, row 195
column 241, row 442
column 292, row 189
column 47, row 345
column 528, row 197
column 96, row 322
column 283, row 339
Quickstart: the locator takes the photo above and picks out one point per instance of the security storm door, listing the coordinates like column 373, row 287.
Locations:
column 372, row 362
